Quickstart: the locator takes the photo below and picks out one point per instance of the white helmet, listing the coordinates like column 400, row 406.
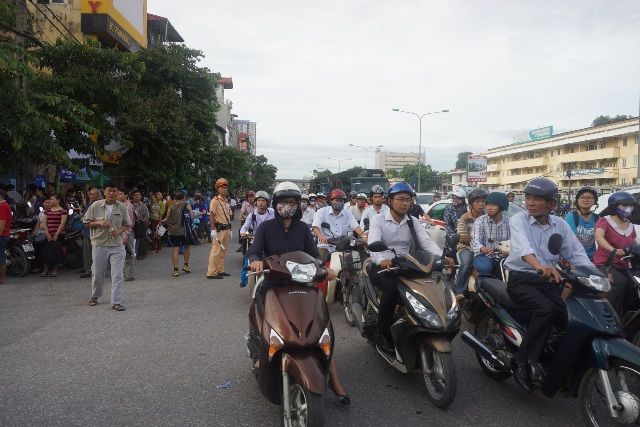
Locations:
column 286, row 189
column 312, row 195
column 460, row 193
column 262, row 195
column 305, row 197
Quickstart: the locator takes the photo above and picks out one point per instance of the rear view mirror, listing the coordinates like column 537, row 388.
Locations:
column 377, row 247
column 366, row 223
column 70, row 211
column 455, row 239
column 326, row 225
column 555, row 244
column 343, row 245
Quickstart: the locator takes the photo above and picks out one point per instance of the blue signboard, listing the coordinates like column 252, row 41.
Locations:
column 541, row 133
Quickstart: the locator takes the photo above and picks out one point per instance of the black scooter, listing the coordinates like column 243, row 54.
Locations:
column 589, row 359
column 631, row 319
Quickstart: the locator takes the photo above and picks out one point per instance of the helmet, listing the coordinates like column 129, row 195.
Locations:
column 509, row 192
column 361, row 196
column 312, row 196
column 498, row 198
column 376, row 189
column 620, row 197
column 337, row 194
column 460, row 193
column 286, row 189
column 353, row 194
column 542, row 187
column 436, row 194
column 263, row 195
column 400, row 187
column 220, row 182
column 320, row 196
column 305, row 197
column 477, row 193
column 586, row 189
column 250, row 194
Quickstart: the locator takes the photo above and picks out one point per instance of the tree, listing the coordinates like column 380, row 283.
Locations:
column 461, row 163
column 605, row 120
column 429, row 179
column 263, row 175
column 392, row 173
column 318, row 173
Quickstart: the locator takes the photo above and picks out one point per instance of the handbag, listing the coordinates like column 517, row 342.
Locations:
column 160, row 230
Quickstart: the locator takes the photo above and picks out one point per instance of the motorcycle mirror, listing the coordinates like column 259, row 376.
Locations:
column 555, row 244
column 70, row 211
column 326, row 225
column 455, row 239
column 343, row 245
column 366, row 223
column 377, row 247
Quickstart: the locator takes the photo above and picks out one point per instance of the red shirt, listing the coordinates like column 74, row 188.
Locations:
column 615, row 239
column 6, row 215
column 54, row 219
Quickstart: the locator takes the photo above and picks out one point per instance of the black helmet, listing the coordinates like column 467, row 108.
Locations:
column 586, row 189
column 498, row 198
column 377, row 189
column 542, row 187
column 476, row 193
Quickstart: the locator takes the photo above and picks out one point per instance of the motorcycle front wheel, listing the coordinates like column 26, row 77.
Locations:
column 307, row 408
column 439, row 372
column 624, row 378
column 347, row 298
column 20, row 264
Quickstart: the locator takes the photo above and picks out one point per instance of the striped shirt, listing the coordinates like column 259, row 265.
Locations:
column 54, row 219
column 488, row 233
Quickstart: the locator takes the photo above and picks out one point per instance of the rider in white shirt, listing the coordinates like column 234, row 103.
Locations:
column 260, row 214
column 377, row 207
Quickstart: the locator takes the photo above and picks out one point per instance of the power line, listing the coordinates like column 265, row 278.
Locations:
column 61, row 23
column 50, row 21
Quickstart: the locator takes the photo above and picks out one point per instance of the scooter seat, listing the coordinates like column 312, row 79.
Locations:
column 498, row 291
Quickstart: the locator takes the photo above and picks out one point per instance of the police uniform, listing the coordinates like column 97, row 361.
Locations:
column 221, row 219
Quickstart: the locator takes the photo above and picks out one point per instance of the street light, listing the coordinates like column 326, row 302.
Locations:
column 419, row 116
column 366, row 149
column 338, row 160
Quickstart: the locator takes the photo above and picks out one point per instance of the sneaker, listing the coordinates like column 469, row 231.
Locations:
column 224, row 274
column 186, row 268
column 217, row 276
column 176, row 273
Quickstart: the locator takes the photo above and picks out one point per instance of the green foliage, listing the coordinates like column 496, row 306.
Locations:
column 605, row 120
column 461, row 163
column 392, row 173
column 319, row 173
column 429, row 179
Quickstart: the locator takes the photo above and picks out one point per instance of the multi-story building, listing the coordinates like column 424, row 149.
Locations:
column 386, row 160
column 160, row 31
column 248, row 141
column 603, row 157
column 225, row 124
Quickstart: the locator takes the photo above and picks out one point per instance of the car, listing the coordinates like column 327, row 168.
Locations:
column 436, row 213
column 424, row 200
column 635, row 218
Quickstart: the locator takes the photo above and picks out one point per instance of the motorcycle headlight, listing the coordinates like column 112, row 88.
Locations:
column 424, row 310
column 454, row 311
column 598, row 283
column 303, row 273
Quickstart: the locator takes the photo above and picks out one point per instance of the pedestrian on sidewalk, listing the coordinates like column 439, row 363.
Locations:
column 6, row 218
column 94, row 195
column 157, row 214
column 128, row 239
column 141, row 224
column 108, row 219
column 220, row 212
column 55, row 220
column 178, row 222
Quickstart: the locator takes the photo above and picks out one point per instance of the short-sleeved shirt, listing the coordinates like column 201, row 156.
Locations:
column 617, row 237
column 7, row 216
column 370, row 213
column 220, row 210
column 341, row 224
column 585, row 231
column 54, row 219
column 157, row 210
column 118, row 216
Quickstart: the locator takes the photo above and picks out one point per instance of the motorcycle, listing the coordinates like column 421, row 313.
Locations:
column 631, row 319
column 589, row 358
column 19, row 252
column 291, row 338
column 424, row 326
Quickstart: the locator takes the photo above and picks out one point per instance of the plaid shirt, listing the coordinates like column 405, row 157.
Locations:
column 488, row 233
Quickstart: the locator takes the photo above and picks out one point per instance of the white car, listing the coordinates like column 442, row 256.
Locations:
column 424, row 200
column 436, row 213
column 635, row 218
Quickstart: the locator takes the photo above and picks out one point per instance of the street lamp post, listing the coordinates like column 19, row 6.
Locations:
column 419, row 116
column 366, row 150
column 338, row 160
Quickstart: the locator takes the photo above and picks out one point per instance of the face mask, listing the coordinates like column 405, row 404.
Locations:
column 337, row 205
column 303, row 205
column 456, row 201
column 624, row 211
column 286, row 210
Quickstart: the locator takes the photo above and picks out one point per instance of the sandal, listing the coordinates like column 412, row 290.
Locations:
column 342, row 398
column 43, row 274
column 54, row 274
column 93, row 301
column 117, row 307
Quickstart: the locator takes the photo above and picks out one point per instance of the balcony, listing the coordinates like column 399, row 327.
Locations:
column 528, row 163
column 585, row 156
column 492, row 168
column 515, row 179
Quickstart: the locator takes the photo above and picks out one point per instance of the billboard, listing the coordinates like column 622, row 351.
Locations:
column 123, row 20
column 533, row 135
column 477, row 169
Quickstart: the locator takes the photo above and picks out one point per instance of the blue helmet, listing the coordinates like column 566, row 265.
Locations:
column 400, row 187
column 542, row 187
column 620, row 197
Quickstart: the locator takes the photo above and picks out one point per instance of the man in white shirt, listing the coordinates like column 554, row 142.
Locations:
column 377, row 207
column 339, row 219
column 308, row 212
column 361, row 205
column 393, row 229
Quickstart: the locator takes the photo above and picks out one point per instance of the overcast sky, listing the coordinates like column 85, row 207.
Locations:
column 317, row 76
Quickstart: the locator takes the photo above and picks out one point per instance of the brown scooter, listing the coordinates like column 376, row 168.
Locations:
column 291, row 338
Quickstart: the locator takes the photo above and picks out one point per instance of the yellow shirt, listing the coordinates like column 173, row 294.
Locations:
column 220, row 210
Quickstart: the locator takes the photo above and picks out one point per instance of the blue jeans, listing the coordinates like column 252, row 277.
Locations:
column 465, row 258
column 486, row 266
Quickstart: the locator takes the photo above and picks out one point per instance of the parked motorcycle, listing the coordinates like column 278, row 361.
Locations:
column 291, row 337
column 19, row 252
column 424, row 326
column 589, row 358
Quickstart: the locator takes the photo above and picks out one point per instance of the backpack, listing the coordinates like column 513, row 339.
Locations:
column 576, row 219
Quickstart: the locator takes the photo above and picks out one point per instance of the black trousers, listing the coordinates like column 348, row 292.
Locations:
column 622, row 295
column 543, row 300
column 388, row 284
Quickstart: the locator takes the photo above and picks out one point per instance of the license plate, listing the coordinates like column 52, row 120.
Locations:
column 27, row 247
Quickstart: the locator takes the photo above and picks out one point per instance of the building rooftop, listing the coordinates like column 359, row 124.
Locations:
column 226, row 82
column 161, row 25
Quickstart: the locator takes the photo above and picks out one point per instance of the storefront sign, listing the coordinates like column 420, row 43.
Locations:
column 67, row 175
column 477, row 169
column 533, row 135
column 588, row 172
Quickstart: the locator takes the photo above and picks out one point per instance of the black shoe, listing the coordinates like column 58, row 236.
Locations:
column 342, row 398
column 217, row 276
column 243, row 285
column 521, row 375
column 383, row 342
column 224, row 274
column 85, row 275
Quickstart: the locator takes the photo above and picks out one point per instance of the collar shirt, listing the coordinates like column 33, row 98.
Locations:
column 246, row 209
column 141, row 211
column 397, row 235
column 488, row 233
column 255, row 219
column 308, row 215
column 357, row 213
column 529, row 237
column 371, row 212
column 341, row 224
column 119, row 218
column 220, row 210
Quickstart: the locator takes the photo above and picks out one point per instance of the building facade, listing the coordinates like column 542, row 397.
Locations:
column 225, row 125
column 604, row 157
column 386, row 160
column 247, row 134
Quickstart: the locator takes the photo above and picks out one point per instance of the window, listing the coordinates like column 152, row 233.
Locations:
column 602, row 145
column 558, row 152
column 551, row 153
column 624, row 163
column 592, row 147
column 624, row 142
column 571, row 150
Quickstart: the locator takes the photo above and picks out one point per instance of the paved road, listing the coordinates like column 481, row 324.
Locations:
column 158, row 363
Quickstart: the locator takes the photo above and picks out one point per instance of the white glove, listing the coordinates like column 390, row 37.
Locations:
column 214, row 235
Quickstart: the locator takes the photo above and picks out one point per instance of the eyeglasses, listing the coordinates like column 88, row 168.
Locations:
column 403, row 199
column 586, row 198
